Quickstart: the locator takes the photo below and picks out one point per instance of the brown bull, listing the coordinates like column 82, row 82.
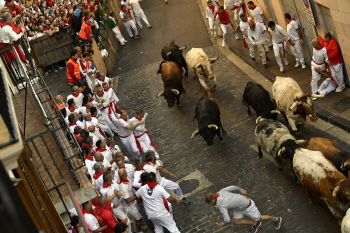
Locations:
column 172, row 79
column 340, row 159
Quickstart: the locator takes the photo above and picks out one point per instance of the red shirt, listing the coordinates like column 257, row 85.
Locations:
column 333, row 51
column 224, row 17
column 14, row 9
column 104, row 215
column 49, row 3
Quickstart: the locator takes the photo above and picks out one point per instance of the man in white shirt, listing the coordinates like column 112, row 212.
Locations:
column 100, row 158
column 111, row 190
column 98, row 176
column 90, row 219
column 89, row 160
column 141, row 134
column 113, row 100
column 137, row 174
column 129, row 199
column 244, row 25
column 210, row 13
column 278, row 35
column 139, row 14
column 295, row 35
column 257, row 35
column 103, row 149
column 319, row 58
column 77, row 96
column 126, row 134
column 237, row 8
column 100, row 122
column 129, row 7
column 152, row 165
column 257, row 13
column 129, row 22
column 74, row 122
column 71, row 107
column 129, row 168
column 153, row 196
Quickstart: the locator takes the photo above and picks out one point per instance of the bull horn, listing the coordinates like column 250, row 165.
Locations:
column 176, row 92
column 213, row 126
column 168, row 53
column 275, row 112
column 183, row 48
column 293, row 105
column 344, row 165
column 301, row 141
column 318, row 96
column 197, row 66
column 281, row 151
column 160, row 93
column 194, row 133
column 258, row 119
column 215, row 58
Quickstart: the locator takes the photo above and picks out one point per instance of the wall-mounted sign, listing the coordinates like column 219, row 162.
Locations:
column 309, row 14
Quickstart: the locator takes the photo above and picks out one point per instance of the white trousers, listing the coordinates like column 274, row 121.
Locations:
column 111, row 119
column 326, row 87
column 130, row 25
column 133, row 211
column 171, row 185
column 141, row 15
column 297, row 52
column 250, row 46
column 224, row 28
column 105, row 129
column 213, row 25
column 130, row 144
column 236, row 14
column 280, row 49
column 118, row 212
column 315, row 77
column 166, row 221
column 104, row 119
column 337, row 74
column 118, row 34
column 145, row 143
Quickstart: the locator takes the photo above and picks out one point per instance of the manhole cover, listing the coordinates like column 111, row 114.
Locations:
column 342, row 105
column 188, row 186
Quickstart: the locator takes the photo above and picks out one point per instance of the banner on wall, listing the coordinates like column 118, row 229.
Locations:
column 308, row 11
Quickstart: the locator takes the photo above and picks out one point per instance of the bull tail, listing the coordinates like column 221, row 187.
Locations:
column 160, row 67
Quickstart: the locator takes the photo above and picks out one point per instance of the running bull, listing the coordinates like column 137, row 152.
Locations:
column 172, row 79
column 340, row 159
column 172, row 52
column 276, row 139
column 259, row 99
column 207, row 114
column 293, row 103
column 322, row 180
column 201, row 66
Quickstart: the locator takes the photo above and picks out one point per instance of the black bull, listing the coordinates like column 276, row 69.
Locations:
column 172, row 52
column 207, row 114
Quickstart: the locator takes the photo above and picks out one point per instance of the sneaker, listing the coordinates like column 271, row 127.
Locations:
column 125, row 41
column 255, row 228
column 55, row 71
column 303, row 66
column 122, row 43
column 166, row 1
column 237, row 37
column 133, row 37
column 278, row 224
column 314, row 98
column 137, row 37
column 297, row 64
column 281, row 70
column 141, row 27
column 60, row 68
column 340, row 89
column 185, row 200
column 286, row 62
column 149, row 26
column 223, row 43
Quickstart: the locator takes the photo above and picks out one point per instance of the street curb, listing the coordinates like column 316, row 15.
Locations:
column 323, row 114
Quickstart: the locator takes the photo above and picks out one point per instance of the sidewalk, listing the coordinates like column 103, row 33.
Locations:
column 334, row 108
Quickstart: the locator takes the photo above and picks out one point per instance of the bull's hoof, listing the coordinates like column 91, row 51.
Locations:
column 260, row 155
column 224, row 132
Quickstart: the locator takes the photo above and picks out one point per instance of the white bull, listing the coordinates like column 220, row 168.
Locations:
column 292, row 101
column 201, row 66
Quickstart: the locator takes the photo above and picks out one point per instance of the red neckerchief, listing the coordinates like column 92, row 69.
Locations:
column 107, row 88
column 123, row 181
column 71, row 108
column 152, row 185
column 97, row 175
column 75, row 94
column 84, row 144
column 100, row 150
column 3, row 23
column 290, row 20
column 93, row 115
column 86, row 212
column 106, row 185
column 99, row 95
column 138, row 118
column 139, row 169
column 92, row 99
column 91, row 158
column 127, row 12
column 87, row 110
column 254, row 7
column 123, row 118
column 78, row 137
column 321, row 47
column 216, row 198
column 149, row 163
column 71, row 124
column 100, row 79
